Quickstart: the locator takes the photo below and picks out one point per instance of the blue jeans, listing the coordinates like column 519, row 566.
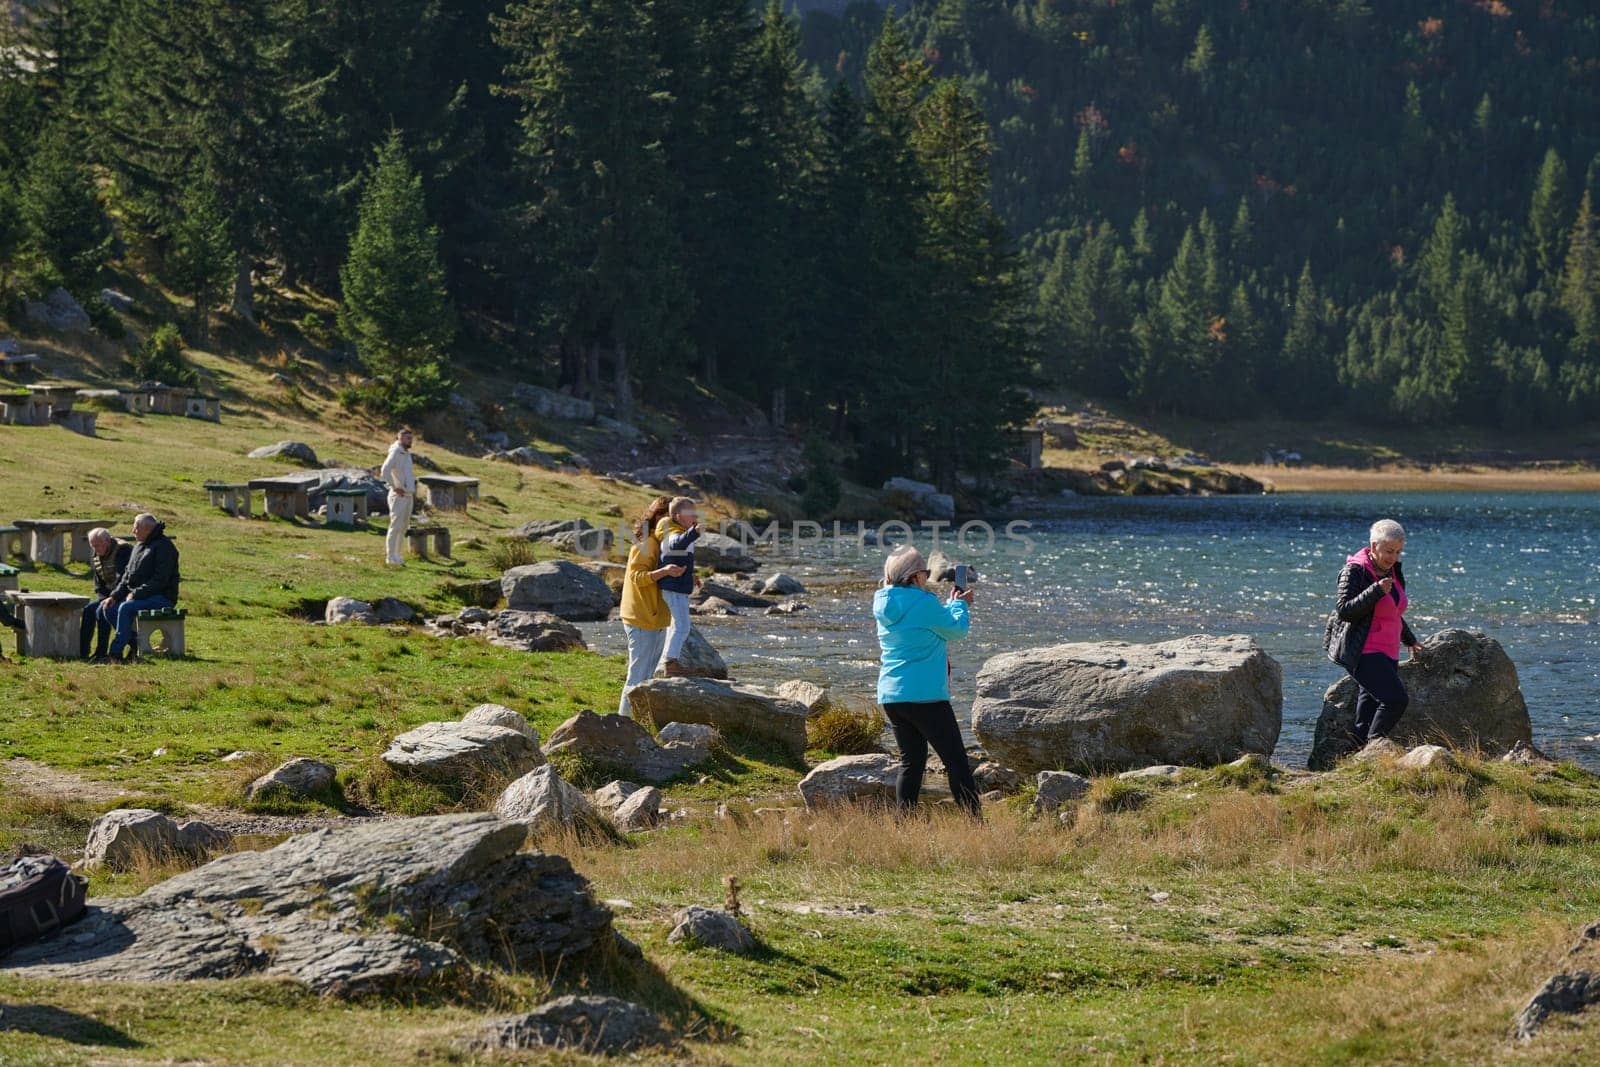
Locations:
column 96, row 629
column 678, row 604
column 127, row 612
column 644, row 656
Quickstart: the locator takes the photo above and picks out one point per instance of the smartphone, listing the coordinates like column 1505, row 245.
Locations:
column 961, row 577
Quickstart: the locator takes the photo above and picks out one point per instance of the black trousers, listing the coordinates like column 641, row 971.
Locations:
column 916, row 726
column 96, row 628
column 1381, row 697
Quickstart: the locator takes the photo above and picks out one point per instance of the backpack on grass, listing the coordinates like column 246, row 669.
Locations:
column 38, row 895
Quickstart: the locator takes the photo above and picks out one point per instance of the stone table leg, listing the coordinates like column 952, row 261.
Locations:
column 52, row 632
column 46, row 549
column 81, row 552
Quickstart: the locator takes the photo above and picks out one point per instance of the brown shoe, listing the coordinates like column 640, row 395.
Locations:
column 674, row 669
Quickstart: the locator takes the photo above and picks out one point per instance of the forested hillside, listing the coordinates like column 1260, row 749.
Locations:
column 615, row 196
column 1380, row 208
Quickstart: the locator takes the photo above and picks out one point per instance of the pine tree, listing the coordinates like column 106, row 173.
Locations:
column 200, row 259
column 1547, row 219
column 1242, row 235
column 66, row 229
column 1581, row 274
column 396, row 309
column 1301, row 376
column 1200, row 57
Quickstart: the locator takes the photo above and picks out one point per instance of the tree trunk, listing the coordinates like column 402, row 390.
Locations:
column 591, row 371
column 624, row 386
column 571, row 367
column 244, row 293
column 780, row 407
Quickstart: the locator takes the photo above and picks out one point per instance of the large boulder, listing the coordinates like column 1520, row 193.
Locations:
column 299, row 777
column 462, row 753
column 500, row 715
column 297, row 451
column 348, row 478
column 594, row 1025
column 543, row 799
column 127, row 837
column 918, row 499
column 733, row 595
column 343, row 609
column 549, row 404
column 710, row 928
column 723, row 554
column 732, row 709
column 699, row 659
column 560, row 587
column 533, row 631
column 59, row 311
column 544, row 529
column 1113, row 705
column 781, row 584
column 591, row 543
column 377, row 905
column 620, row 745
column 868, row 778
column 1464, row 694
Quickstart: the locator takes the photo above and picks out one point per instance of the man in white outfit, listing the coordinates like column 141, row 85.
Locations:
column 398, row 475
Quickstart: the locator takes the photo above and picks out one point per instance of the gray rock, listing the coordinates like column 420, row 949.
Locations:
column 733, row 709
column 816, row 698
column 58, row 311
column 624, row 430
column 1378, row 749
column 732, row 594
column 1570, row 990
column 327, row 478
column 589, row 543
column 640, row 811
column 342, row 609
column 990, row 775
column 116, row 300
column 298, row 451
column 126, row 837
column 706, row 928
column 533, row 631
column 611, row 796
column 1464, row 694
column 542, row 798
column 462, row 753
column 620, row 743
column 1159, row 772
column 343, row 911
column 1056, row 788
column 918, row 499
column 301, row 777
column 1526, row 755
column 694, row 734
column 597, row 1026
column 941, row 568
column 560, row 587
column 544, row 529
column 388, row 609
column 549, row 404
column 500, row 715
column 781, row 584
column 525, row 456
column 1113, row 705
column 712, row 605
column 699, row 658
column 787, row 607
column 868, row 778
column 723, row 554
column 1426, row 758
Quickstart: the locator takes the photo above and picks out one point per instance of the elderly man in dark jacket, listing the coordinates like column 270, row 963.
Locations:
column 149, row 583
column 108, row 560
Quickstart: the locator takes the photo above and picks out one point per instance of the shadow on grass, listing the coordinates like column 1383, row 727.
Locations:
column 46, row 1020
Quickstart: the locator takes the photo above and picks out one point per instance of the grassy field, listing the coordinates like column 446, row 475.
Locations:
column 1367, row 916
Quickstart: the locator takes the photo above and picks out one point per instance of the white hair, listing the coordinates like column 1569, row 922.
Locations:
column 99, row 533
column 1385, row 530
column 145, row 519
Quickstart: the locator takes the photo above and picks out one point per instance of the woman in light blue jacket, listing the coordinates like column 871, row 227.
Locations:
column 914, row 626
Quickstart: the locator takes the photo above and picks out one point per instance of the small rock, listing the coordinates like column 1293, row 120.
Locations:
column 870, row 778
column 640, row 811
column 1525, row 754
column 604, row 1026
column 1379, row 748
column 500, row 715
column 1056, row 788
column 788, row 607
column 611, row 796
column 235, row 757
column 388, row 609
column 990, row 775
column 122, row 838
column 781, row 584
column 298, row 451
column 301, row 776
column 1252, row 761
column 462, row 752
column 708, row 928
column 1160, row 898
column 1162, row 771
column 695, row 734
column 1427, row 758
column 712, row 605
column 543, row 798
column 342, row 609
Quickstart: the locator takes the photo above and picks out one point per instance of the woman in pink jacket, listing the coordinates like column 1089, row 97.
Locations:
column 1372, row 600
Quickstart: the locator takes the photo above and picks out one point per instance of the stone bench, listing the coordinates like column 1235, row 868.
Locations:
column 347, row 507
column 11, row 543
column 203, row 407
column 230, row 497
column 168, row 622
column 419, row 536
column 284, row 498
column 79, row 422
column 448, row 492
column 24, row 409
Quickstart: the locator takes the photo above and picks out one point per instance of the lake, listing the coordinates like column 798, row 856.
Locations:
column 1522, row 567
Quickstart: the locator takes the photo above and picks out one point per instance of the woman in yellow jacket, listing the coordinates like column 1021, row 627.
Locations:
column 645, row 618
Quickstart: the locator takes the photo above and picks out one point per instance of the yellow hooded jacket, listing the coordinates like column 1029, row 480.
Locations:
column 642, row 604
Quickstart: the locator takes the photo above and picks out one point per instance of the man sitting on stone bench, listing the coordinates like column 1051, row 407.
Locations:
column 108, row 561
column 150, row 582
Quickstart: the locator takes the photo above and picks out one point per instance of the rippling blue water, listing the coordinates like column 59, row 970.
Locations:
column 1523, row 567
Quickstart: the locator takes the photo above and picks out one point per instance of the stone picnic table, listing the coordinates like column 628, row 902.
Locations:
column 449, row 492
column 50, row 623
column 46, row 535
column 287, row 496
